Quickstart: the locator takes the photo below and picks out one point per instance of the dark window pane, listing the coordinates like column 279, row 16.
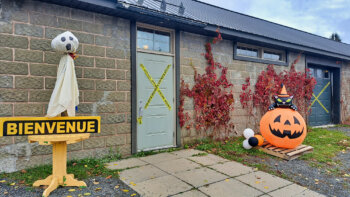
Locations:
column 245, row 51
column 153, row 40
column 319, row 73
column 326, row 74
column 162, row 41
column 272, row 56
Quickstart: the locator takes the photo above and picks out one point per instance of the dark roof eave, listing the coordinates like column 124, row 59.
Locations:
column 270, row 41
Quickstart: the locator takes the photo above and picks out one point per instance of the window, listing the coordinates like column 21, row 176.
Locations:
column 246, row 51
column 148, row 39
column 259, row 54
column 272, row 55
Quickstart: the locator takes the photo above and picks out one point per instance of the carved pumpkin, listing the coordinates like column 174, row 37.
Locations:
column 283, row 127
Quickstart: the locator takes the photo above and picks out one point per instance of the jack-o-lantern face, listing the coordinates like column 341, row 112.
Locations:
column 283, row 127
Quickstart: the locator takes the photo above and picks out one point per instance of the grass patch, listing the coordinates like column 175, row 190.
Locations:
column 81, row 169
column 231, row 149
column 326, row 144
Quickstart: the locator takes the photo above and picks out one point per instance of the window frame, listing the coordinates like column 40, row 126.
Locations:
column 260, row 59
column 160, row 29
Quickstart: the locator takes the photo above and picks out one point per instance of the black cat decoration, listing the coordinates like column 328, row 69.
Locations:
column 283, row 100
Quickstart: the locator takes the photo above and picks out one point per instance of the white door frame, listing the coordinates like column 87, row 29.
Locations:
column 172, row 54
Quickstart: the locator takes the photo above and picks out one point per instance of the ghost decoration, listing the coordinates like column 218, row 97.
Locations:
column 65, row 96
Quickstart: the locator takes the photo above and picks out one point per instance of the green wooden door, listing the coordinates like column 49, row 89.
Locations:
column 321, row 104
column 157, row 128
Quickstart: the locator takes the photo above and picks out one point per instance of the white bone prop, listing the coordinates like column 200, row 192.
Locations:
column 65, row 95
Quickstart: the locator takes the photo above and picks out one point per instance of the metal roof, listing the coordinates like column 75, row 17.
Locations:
column 213, row 15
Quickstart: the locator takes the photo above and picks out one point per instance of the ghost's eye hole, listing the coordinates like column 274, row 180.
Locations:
column 63, row 39
column 70, row 38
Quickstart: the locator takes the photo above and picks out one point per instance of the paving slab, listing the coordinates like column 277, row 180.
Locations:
column 192, row 193
column 161, row 186
column 263, row 181
column 159, row 158
column 288, row 191
column 140, row 174
column 200, row 177
column 125, row 163
column 229, row 187
column 186, row 152
column 232, row 168
column 207, row 160
column 177, row 165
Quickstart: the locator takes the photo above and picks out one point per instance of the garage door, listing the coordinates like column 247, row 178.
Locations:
column 321, row 102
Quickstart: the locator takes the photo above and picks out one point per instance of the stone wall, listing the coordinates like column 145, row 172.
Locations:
column 345, row 93
column 192, row 46
column 28, row 73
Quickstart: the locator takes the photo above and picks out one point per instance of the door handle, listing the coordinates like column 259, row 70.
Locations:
column 140, row 114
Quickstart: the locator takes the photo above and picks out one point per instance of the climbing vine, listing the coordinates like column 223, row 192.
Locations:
column 212, row 96
column 298, row 84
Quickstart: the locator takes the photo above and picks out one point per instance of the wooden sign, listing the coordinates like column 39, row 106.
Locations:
column 19, row 126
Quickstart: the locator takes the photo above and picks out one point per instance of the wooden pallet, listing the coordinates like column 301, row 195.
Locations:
column 284, row 153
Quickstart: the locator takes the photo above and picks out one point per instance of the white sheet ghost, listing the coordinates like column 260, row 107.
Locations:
column 65, row 95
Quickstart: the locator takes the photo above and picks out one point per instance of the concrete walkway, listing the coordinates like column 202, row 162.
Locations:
column 186, row 173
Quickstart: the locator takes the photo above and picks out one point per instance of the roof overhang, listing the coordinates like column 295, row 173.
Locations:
column 144, row 15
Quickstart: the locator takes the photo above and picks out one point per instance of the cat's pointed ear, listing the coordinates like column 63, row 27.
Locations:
column 276, row 97
column 291, row 97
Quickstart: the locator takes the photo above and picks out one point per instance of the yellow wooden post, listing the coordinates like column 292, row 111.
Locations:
column 59, row 160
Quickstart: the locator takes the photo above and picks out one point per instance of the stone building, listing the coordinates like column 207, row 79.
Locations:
column 116, row 37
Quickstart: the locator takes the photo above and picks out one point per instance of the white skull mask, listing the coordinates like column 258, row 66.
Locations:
column 65, row 42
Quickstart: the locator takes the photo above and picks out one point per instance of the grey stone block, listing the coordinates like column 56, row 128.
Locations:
column 40, row 44
column 40, row 95
column 11, row 95
column 6, row 54
column 112, row 118
column 115, row 74
column 108, row 85
column 13, row 41
column 50, row 83
column 29, row 82
column 70, row 24
column 6, row 81
column 29, row 30
column 28, row 109
column 86, row 84
column 28, row 56
column 13, row 68
column 84, row 61
column 93, row 28
column 6, row 110
column 115, row 53
column 105, row 63
column 94, row 73
column 41, row 19
column 93, row 50
column 84, row 38
column 123, row 64
column 52, row 57
column 43, row 70
column 124, row 85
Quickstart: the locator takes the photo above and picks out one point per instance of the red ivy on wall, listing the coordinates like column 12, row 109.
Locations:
column 298, row 84
column 212, row 101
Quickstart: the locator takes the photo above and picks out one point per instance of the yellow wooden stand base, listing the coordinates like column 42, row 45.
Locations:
column 59, row 160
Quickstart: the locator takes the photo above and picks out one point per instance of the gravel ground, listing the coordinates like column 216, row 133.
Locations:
column 317, row 179
column 105, row 187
